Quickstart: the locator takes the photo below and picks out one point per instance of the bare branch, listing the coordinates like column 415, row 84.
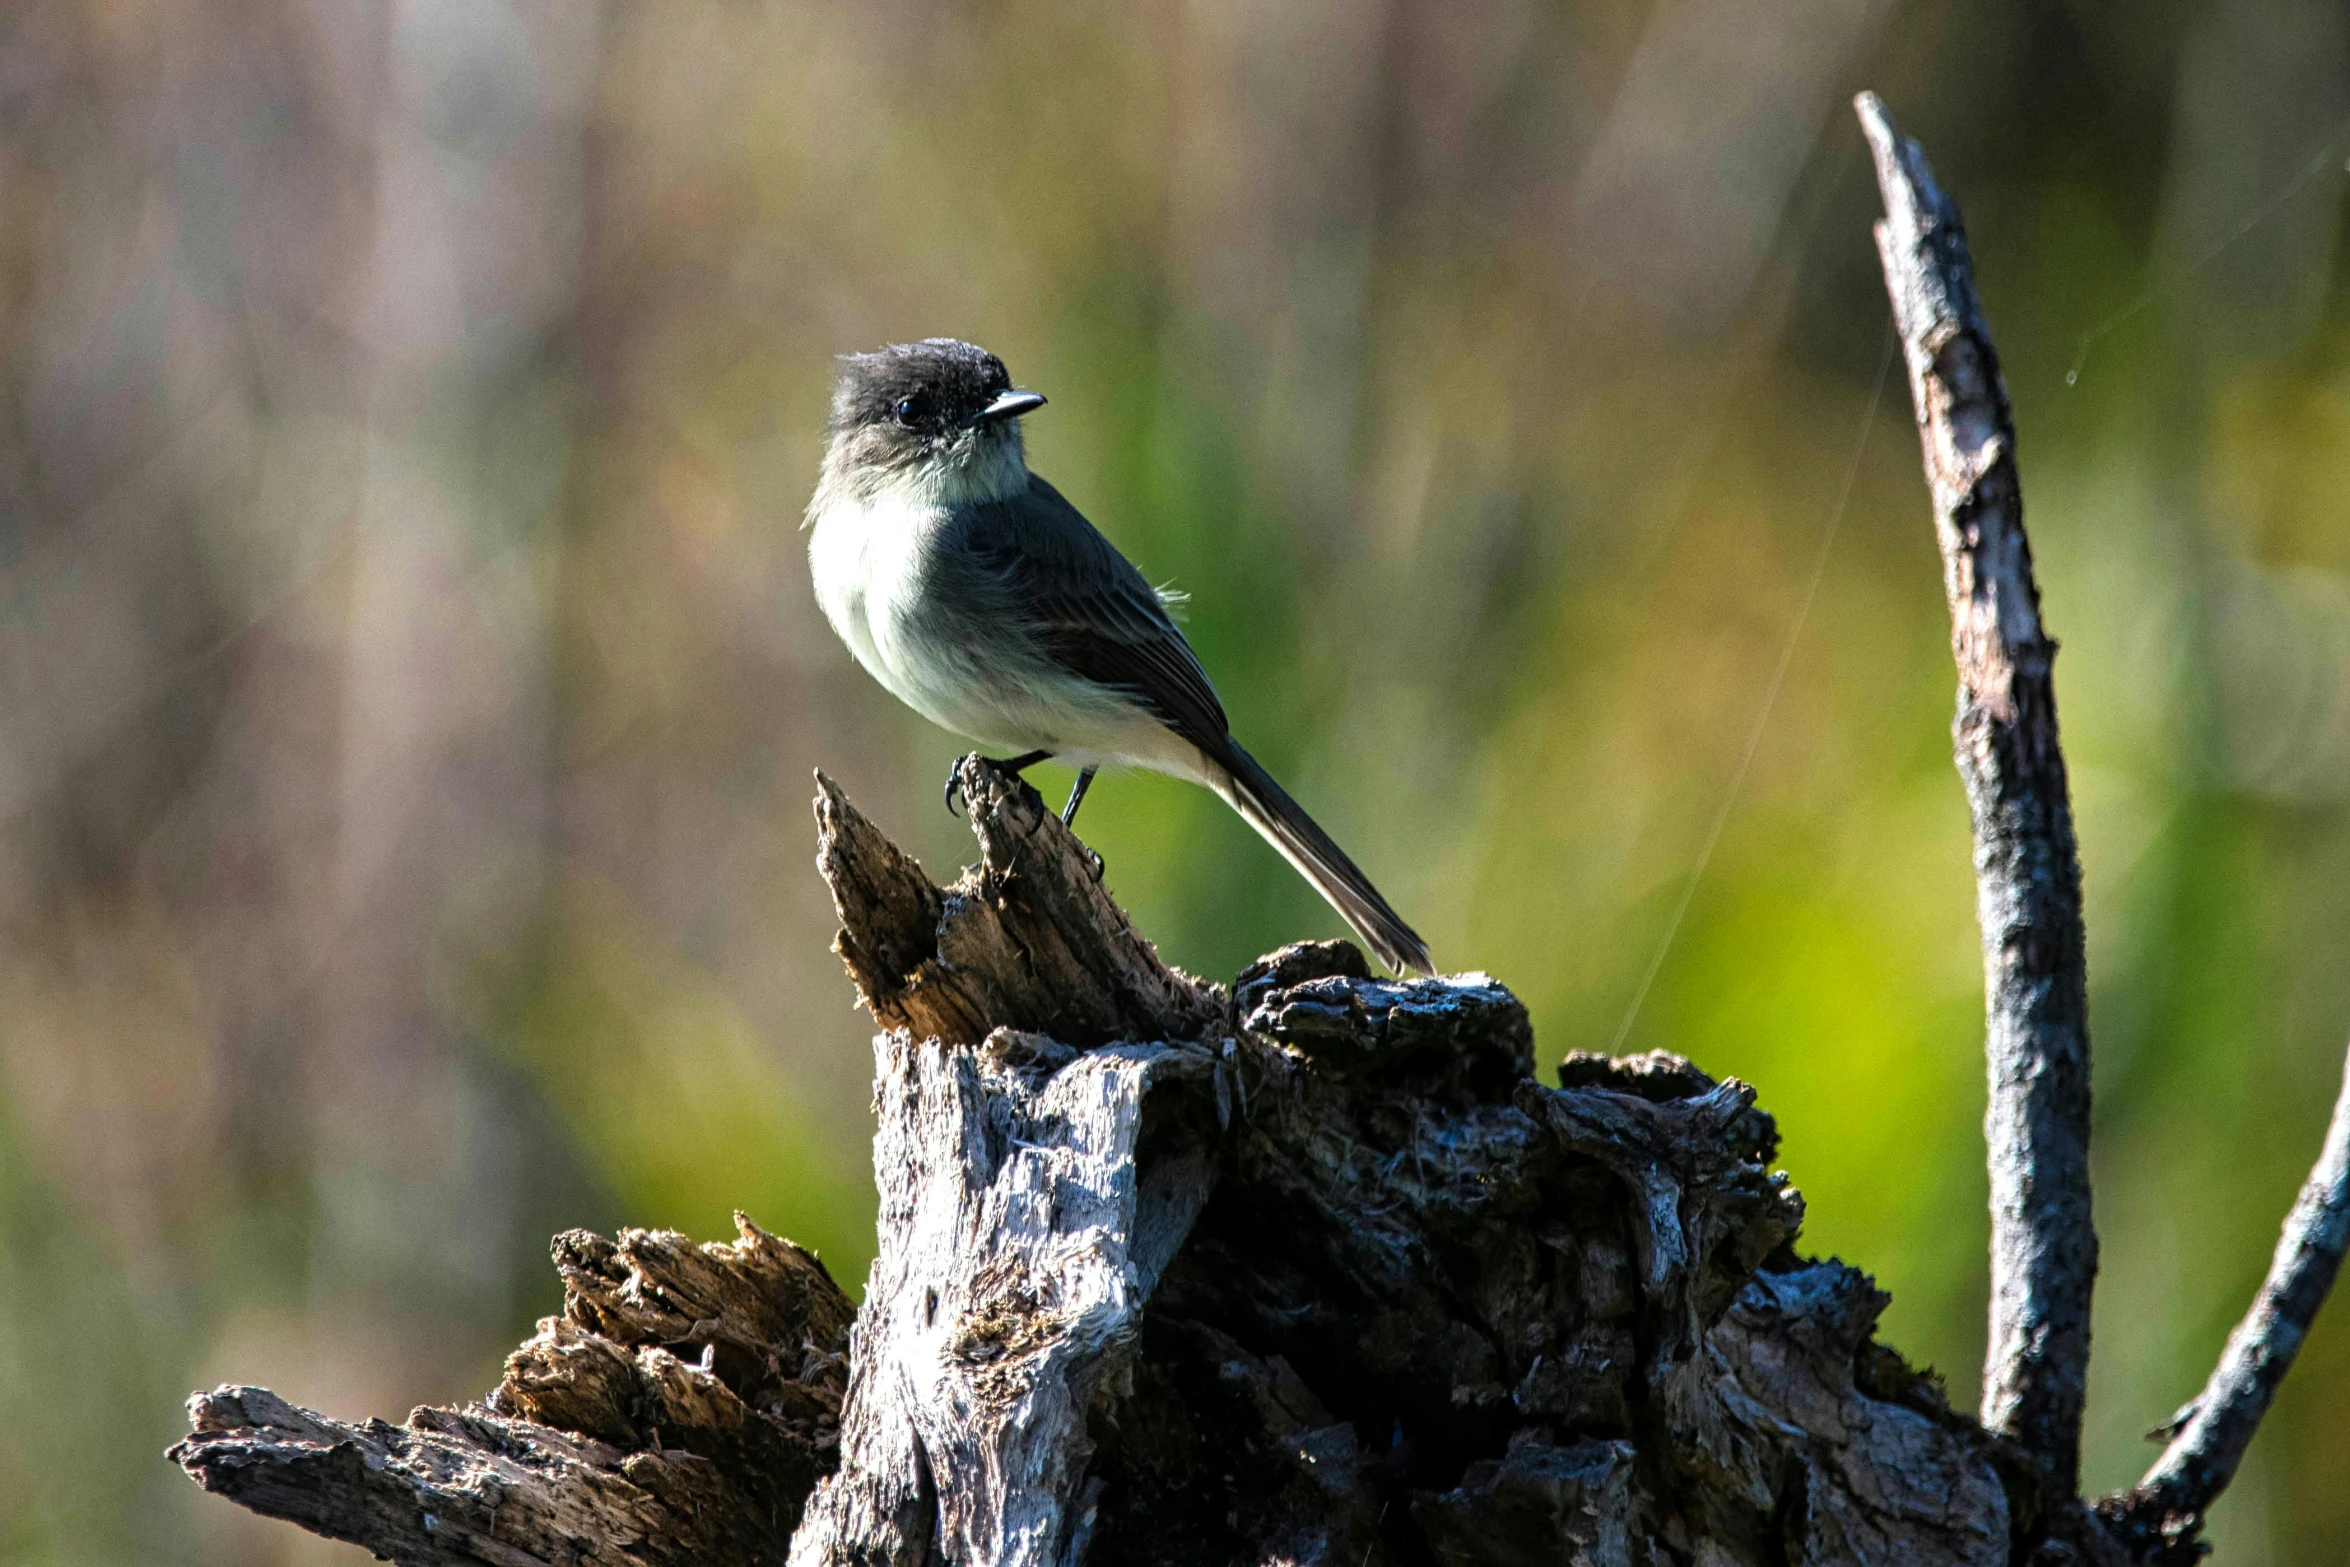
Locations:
column 2027, row 873
column 2209, row 1436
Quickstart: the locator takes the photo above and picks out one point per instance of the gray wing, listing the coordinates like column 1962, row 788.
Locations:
column 1095, row 615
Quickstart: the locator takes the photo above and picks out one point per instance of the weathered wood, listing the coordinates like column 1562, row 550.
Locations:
column 1312, row 1270
column 1426, row 1306
column 1022, row 1229
column 1024, row 940
column 1023, row 1225
column 677, row 1412
column 2027, row 868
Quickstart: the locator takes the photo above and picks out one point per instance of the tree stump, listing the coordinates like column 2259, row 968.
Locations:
column 1307, row 1270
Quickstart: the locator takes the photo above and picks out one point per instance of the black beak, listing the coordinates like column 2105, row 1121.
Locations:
column 1010, row 405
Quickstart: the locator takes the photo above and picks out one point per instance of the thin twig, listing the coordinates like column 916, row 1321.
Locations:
column 2212, row 1432
column 2027, row 872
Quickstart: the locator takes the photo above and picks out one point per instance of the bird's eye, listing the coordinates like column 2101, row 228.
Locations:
column 908, row 411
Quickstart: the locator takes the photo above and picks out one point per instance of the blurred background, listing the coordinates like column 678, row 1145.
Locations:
column 409, row 680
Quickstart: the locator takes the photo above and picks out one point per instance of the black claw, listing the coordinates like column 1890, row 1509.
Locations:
column 1015, row 765
column 1098, row 865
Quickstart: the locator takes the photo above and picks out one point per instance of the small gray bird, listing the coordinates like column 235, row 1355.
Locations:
column 988, row 604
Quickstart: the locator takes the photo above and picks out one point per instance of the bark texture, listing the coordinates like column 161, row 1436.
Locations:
column 1311, row 1269
column 1400, row 1301
column 677, row 1412
column 2027, row 868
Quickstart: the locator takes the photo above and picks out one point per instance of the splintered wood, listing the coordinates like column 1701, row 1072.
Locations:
column 1309, row 1270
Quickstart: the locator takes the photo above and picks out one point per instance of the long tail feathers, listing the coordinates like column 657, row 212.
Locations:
column 1267, row 807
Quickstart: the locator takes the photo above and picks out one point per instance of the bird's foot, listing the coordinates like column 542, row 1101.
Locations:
column 1014, row 765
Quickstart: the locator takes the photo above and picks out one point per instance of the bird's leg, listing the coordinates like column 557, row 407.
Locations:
column 1014, row 765
column 1069, row 815
column 1077, row 796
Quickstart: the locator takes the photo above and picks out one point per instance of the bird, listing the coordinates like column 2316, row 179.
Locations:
column 981, row 598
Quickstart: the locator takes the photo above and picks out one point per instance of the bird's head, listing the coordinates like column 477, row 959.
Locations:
column 939, row 414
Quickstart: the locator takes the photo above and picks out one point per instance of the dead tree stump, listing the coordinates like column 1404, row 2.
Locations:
column 1310, row 1270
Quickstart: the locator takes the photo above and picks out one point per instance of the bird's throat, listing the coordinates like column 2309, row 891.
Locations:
column 987, row 466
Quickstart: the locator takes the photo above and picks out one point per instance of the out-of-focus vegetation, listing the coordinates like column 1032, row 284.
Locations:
column 409, row 680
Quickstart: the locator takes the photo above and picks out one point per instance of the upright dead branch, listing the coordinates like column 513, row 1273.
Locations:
column 2027, row 877
column 2027, row 871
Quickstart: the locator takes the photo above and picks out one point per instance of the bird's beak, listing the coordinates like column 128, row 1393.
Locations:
column 1011, row 405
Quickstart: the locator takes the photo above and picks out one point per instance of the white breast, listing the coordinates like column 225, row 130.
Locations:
column 861, row 554
column 867, row 556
